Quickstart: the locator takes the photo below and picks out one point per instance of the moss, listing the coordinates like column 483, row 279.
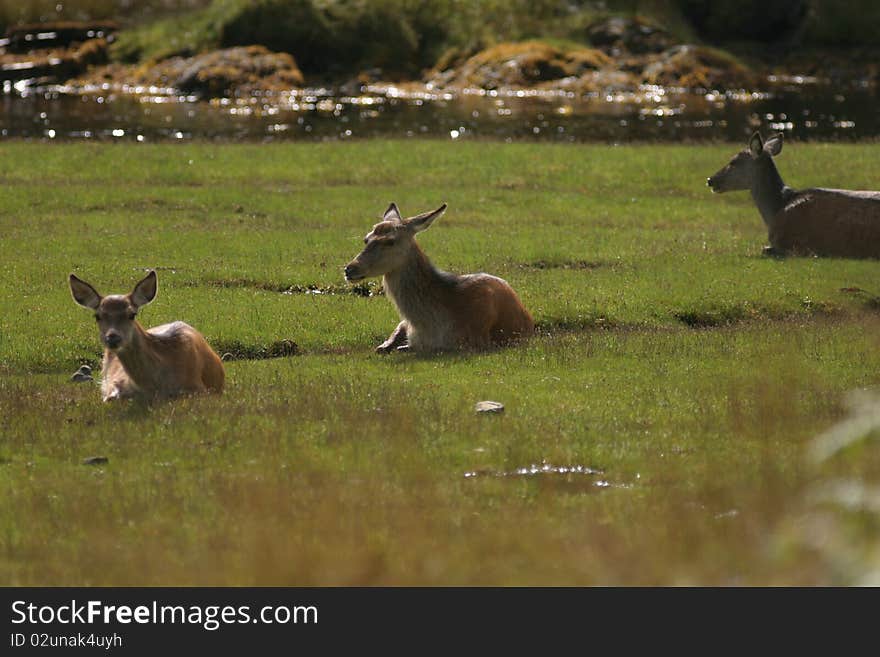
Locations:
column 521, row 65
column 698, row 67
column 216, row 74
column 58, row 64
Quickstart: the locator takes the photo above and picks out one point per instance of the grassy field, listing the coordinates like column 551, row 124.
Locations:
column 687, row 372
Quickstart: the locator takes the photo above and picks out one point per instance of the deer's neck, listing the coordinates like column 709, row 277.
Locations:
column 140, row 360
column 416, row 288
column 769, row 192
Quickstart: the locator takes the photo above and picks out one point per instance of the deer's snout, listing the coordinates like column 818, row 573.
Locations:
column 113, row 339
column 353, row 272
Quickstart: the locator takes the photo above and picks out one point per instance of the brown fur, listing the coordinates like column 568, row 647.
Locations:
column 829, row 222
column 438, row 310
column 159, row 364
column 824, row 222
column 447, row 311
column 164, row 361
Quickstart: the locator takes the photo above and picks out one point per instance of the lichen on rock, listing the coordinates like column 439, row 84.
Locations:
column 221, row 73
column 693, row 67
column 523, row 64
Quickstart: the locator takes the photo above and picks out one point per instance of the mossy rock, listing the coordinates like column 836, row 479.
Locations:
column 222, row 73
column 522, row 64
column 57, row 34
column 53, row 64
column 695, row 67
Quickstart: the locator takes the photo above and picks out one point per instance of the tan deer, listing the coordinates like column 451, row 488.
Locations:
column 438, row 310
column 815, row 221
column 164, row 361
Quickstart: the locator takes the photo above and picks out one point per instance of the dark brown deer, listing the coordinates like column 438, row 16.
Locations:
column 438, row 310
column 815, row 221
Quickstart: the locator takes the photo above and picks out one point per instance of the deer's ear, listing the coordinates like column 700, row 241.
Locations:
column 145, row 291
column 773, row 146
column 83, row 293
column 756, row 145
column 392, row 214
column 422, row 221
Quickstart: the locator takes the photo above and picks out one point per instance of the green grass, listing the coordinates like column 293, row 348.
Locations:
column 672, row 357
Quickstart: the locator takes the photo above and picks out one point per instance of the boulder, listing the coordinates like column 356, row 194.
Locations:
column 697, row 67
column 522, row 64
column 221, row 73
column 618, row 35
column 55, row 64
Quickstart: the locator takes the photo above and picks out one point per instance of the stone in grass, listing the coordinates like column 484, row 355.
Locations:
column 96, row 460
column 489, row 407
column 82, row 375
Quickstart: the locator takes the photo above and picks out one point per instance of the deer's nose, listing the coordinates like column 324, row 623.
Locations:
column 351, row 272
column 708, row 182
column 113, row 340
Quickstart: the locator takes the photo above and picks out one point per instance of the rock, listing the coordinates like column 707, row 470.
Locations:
column 489, row 407
column 697, row 67
column 618, row 35
column 524, row 64
column 222, row 73
column 58, row 34
column 56, row 64
column 82, row 375
column 96, row 460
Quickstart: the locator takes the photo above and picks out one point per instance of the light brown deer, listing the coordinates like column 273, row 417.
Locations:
column 438, row 310
column 816, row 221
column 161, row 362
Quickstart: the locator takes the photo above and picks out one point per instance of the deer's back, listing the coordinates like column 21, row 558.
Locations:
column 184, row 362
column 829, row 222
column 493, row 310
column 185, row 350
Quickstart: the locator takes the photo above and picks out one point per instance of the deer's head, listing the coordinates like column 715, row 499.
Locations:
column 115, row 314
column 746, row 166
column 388, row 245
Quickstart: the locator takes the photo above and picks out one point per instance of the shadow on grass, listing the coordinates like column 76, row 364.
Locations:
column 237, row 350
column 364, row 289
column 729, row 315
column 580, row 265
column 870, row 301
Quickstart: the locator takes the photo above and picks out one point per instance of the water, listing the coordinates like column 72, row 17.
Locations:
column 803, row 110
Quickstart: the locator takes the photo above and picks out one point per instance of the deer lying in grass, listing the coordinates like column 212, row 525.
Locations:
column 164, row 361
column 826, row 222
column 438, row 310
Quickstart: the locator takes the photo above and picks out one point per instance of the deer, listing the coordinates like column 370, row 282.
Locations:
column 161, row 362
column 439, row 311
column 814, row 221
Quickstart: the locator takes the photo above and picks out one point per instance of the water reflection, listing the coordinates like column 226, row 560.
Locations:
column 800, row 107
